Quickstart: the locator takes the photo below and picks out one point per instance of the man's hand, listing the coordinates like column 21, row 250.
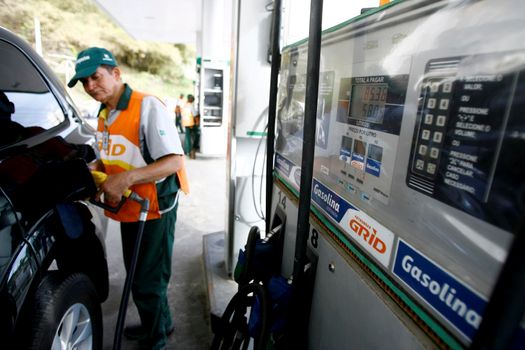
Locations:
column 117, row 184
column 114, row 187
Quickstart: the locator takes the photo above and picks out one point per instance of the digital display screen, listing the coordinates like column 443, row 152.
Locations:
column 368, row 102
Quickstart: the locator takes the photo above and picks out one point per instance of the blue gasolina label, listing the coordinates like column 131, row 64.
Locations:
column 283, row 165
column 329, row 201
column 457, row 303
column 373, row 167
column 288, row 170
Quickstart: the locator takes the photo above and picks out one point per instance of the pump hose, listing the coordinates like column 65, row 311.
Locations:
column 129, row 277
column 99, row 178
column 233, row 329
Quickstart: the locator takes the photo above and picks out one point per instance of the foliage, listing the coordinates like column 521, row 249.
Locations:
column 69, row 26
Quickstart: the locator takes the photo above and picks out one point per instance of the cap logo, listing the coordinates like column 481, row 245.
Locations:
column 106, row 57
column 82, row 59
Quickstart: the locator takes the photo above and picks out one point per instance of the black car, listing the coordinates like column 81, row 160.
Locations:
column 53, row 269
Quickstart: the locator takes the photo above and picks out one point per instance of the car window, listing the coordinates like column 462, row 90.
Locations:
column 8, row 237
column 27, row 106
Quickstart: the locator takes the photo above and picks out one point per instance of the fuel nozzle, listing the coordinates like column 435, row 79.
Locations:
column 99, row 177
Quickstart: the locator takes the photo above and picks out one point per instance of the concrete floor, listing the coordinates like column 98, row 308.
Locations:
column 200, row 213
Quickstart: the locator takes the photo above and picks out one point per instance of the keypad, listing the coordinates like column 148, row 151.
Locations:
column 436, row 94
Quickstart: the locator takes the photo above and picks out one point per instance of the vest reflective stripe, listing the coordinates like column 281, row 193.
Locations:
column 175, row 201
column 123, row 153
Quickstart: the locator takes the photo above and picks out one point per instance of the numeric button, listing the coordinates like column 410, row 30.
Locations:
column 440, row 120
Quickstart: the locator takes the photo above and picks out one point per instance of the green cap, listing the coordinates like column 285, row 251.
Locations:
column 89, row 60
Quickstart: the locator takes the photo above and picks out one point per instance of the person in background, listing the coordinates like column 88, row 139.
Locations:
column 190, row 121
column 140, row 150
column 180, row 100
column 178, row 115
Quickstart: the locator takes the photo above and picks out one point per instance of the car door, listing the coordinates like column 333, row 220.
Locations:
column 17, row 266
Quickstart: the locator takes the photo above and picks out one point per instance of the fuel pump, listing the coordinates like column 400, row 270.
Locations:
column 416, row 192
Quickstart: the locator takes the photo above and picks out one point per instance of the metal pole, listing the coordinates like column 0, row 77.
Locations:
column 312, row 87
column 231, row 152
column 272, row 107
column 303, row 225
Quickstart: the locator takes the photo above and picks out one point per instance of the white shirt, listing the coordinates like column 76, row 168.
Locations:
column 157, row 130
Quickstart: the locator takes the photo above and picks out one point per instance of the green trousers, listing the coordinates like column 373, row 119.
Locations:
column 191, row 138
column 153, row 272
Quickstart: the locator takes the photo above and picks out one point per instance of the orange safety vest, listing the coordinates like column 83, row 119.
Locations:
column 123, row 153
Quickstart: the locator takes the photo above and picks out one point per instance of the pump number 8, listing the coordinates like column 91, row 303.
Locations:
column 314, row 238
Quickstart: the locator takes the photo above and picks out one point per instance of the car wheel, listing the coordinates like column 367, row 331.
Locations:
column 67, row 314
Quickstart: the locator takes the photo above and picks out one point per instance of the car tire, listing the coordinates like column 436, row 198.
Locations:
column 67, row 311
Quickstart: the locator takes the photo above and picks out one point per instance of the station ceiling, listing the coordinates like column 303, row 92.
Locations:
column 172, row 21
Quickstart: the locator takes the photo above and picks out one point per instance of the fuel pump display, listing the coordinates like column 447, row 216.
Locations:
column 469, row 123
column 369, row 96
column 417, row 175
column 370, row 109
